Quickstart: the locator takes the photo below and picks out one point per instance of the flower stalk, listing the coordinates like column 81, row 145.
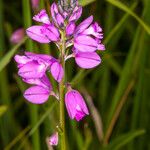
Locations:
column 61, row 93
column 78, row 41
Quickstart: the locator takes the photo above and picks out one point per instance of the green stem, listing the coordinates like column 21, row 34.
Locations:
column 61, row 95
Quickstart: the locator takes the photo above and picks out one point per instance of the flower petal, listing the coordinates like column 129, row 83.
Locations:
column 53, row 140
column 42, row 16
column 70, row 28
column 87, row 60
column 75, row 105
column 51, row 32
column 21, row 60
column 76, row 14
column 35, row 33
column 44, row 82
column 32, row 70
column 85, row 43
column 37, row 94
column 57, row 17
column 57, row 71
column 83, row 25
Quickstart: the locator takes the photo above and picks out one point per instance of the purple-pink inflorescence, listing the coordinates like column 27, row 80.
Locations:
column 83, row 40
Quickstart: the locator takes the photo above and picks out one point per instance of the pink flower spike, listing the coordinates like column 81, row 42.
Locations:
column 53, row 140
column 57, row 71
column 87, row 60
column 17, row 36
column 42, row 16
column 75, row 105
column 35, row 33
column 37, row 94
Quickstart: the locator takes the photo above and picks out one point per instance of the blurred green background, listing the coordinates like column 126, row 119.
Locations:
column 117, row 92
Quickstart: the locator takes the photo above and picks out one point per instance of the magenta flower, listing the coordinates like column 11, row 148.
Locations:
column 42, row 17
column 57, row 16
column 17, row 36
column 32, row 69
column 87, row 60
column 86, row 40
column 44, row 33
column 75, row 105
column 40, row 92
column 53, row 140
column 70, row 28
column 88, row 36
column 33, row 66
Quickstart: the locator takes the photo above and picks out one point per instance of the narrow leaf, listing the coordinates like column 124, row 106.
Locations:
column 7, row 58
column 129, row 11
column 124, row 139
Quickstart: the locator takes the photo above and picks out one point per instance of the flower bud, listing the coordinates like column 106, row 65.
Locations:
column 75, row 105
column 53, row 140
column 17, row 36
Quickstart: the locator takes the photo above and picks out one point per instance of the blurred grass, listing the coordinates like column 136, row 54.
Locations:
column 124, row 109
column 27, row 19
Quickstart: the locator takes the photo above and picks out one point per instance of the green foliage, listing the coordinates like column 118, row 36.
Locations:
column 3, row 109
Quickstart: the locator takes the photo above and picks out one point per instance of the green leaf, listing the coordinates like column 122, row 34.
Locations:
column 124, row 139
column 86, row 2
column 7, row 58
column 129, row 11
column 3, row 109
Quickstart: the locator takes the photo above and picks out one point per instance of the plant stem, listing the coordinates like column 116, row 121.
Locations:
column 61, row 95
column 117, row 112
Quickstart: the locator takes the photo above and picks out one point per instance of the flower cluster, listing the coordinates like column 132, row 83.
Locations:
column 82, row 40
column 32, row 68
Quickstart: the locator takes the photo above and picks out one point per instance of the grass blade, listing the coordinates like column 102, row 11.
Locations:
column 129, row 11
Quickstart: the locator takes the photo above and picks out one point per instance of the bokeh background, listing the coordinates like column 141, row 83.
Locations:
column 117, row 92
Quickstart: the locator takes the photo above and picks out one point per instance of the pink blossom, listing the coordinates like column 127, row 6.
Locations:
column 87, row 60
column 53, row 140
column 88, row 36
column 42, row 17
column 33, row 66
column 75, row 105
